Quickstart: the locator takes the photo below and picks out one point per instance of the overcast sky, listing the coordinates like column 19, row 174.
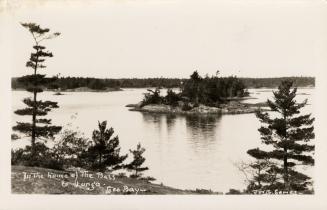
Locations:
column 171, row 38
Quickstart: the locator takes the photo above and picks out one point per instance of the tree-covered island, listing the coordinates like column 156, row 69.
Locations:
column 200, row 95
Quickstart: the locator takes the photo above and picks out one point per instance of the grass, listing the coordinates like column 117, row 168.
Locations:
column 41, row 183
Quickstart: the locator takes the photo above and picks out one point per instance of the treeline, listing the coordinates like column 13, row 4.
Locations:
column 99, row 84
column 275, row 82
column 65, row 83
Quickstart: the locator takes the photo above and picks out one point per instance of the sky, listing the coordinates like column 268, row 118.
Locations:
column 170, row 38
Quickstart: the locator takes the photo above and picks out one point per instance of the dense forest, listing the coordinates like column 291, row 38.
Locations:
column 100, row 84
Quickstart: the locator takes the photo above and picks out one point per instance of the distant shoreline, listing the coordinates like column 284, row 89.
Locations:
column 86, row 89
column 66, row 83
column 80, row 89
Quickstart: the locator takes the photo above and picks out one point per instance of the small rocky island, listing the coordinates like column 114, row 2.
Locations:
column 229, row 108
column 209, row 95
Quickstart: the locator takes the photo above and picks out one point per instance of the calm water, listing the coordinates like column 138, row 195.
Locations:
column 186, row 152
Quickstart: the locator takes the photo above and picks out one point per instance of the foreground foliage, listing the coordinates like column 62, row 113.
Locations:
column 71, row 149
column 289, row 134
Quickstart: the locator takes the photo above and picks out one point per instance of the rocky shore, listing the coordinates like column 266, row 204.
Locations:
column 232, row 107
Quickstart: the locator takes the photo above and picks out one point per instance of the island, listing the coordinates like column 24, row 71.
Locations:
column 198, row 95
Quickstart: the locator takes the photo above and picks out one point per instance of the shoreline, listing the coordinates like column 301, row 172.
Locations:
column 85, row 89
column 80, row 89
column 233, row 107
column 36, row 180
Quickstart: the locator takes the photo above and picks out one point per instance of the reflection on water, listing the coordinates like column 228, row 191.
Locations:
column 183, row 151
column 200, row 128
column 202, row 131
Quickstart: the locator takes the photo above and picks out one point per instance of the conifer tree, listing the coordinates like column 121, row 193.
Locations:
column 40, row 128
column 289, row 133
column 104, row 151
column 136, row 164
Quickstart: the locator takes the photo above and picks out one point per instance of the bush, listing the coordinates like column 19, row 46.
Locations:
column 172, row 98
column 70, row 148
column 233, row 192
column 17, row 156
column 152, row 97
column 203, row 191
column 42, row 158
column 66, row 152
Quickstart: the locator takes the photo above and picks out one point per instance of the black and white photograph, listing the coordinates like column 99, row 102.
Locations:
column 187, row 99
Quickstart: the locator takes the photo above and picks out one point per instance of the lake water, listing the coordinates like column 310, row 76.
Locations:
column 185, row 152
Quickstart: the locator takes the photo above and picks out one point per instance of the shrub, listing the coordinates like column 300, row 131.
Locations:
column 233, row 192
column 70, row 148
column 203, row 191
column 42, row 157
column 172, row 98
column 152, row 97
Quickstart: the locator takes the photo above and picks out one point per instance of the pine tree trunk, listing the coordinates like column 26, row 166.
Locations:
column 286, row 181
column 34, row 125
column 34, row 107
column 34, row 119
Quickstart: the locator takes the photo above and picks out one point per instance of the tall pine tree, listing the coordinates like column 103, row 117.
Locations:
column 289, row 133
column 40, row 128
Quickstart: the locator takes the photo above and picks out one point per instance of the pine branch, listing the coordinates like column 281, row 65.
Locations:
column 40, row 104
column 47, row 131
column 301, row 120
column 295, row 147
column 44, row 121
column 30, row 111
column 302, row 134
